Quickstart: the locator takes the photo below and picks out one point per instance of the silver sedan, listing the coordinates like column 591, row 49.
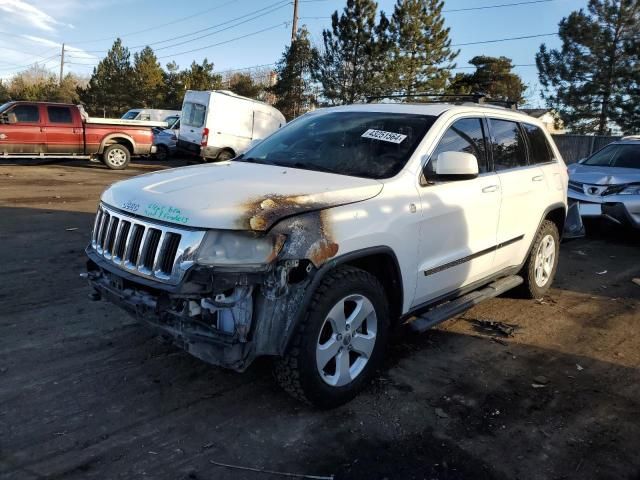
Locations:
column 607, row 184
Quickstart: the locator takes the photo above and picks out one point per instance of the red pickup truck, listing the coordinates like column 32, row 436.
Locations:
column 59, row 130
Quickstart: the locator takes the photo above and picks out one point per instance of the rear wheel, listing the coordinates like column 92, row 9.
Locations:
column 224, row 155
column 341, row 341
column 116, row 156
column 540, row 268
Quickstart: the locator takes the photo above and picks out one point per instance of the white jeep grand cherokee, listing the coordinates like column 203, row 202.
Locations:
column 340, row 225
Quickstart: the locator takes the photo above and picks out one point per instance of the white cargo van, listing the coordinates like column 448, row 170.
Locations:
column 218, row 125
column 153, row 114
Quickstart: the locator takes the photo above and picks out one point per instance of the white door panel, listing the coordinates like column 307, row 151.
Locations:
column 520, row 212
column 458, row 234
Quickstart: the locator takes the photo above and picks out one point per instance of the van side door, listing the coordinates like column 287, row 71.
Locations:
column 64, row 130
column 459, row 217
column 24, row 132
column 521, row 183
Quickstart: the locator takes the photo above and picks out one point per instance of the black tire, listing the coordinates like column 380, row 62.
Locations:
column 116, row 156
column 531, row 288
column 162, row 153
column 224, row 155
column 297, row 372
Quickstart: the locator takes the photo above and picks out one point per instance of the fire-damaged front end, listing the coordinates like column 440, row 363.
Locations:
column 224, row 295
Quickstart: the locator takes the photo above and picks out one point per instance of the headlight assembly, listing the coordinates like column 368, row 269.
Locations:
column 235, row 248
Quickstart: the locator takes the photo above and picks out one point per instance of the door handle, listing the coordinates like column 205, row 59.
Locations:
column 537, row 178
column 490, row 188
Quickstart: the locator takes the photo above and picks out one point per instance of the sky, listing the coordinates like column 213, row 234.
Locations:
column 235, row 34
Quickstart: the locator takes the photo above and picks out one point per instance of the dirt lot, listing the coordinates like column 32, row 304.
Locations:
column 86, row 392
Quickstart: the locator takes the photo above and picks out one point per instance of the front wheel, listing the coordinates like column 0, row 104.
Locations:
column 116, row 156
column 340, row 342
column 541, row 266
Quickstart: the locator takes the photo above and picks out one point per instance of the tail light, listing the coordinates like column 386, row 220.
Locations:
column 205, row 137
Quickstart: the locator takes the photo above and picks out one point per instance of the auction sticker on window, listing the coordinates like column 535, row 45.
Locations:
column 384, row 136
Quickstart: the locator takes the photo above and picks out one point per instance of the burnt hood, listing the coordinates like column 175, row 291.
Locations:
column 235, row 195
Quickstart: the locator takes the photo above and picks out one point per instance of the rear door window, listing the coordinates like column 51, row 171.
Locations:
column 508, row 145
column 539, row 148
column 26, row 113
column 59, row 115
column 193, row 114
column 465, row 135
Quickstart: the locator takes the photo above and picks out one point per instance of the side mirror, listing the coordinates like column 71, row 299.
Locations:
column 456, row 166
column 4, row 118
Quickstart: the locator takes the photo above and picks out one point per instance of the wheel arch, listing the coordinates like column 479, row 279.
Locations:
column 118, row 138
column 380, row 261
column 227, row 149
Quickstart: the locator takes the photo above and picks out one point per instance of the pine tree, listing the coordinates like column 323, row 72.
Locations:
column 355, row 50
column 173, row 86
column 111, row 86
column 150, row 89
column 293, row 88
column 201, row 77
column 243, row 84
column 493, row 76
column 421, row 57
column 590, row 79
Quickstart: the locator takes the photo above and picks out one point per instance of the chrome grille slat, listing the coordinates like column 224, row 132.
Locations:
column 159, row 252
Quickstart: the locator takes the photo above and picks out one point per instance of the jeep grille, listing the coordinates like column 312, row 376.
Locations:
column 147, row 249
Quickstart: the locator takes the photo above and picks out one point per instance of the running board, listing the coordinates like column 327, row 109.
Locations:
column 455, row 307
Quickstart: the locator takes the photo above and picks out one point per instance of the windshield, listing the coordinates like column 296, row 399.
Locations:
column 360, row 144
column 130, row 115
column 621, row 156
column 172, row 120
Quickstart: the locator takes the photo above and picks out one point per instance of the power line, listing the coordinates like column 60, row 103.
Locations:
column 156, row 27
column 507, row 39
column 254, row 15
column 227, row 41
column 468, row 9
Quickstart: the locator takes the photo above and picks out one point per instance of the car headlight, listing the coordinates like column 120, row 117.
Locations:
column 229, row 248
column 630, row 190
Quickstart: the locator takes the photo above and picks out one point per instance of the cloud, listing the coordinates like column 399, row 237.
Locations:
column 76, row 53
column 23, row 12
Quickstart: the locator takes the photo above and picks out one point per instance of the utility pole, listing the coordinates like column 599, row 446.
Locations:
column 294, row 24
column 62, row 64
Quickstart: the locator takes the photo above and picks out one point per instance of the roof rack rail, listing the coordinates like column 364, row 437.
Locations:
column 479, row 98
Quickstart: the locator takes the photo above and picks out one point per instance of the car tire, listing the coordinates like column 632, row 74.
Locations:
column 332, row 355
column 116, row 156
column 224, row 156
column 540, row 268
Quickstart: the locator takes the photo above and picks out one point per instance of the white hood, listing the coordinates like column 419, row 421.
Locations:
column 235, row 195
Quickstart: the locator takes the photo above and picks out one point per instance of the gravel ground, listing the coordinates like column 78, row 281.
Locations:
column 552, row 392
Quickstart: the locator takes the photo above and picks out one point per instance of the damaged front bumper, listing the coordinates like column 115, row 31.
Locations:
column 619, row 209
column 225, row 318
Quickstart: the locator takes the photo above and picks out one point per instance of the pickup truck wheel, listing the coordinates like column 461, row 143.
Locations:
column 116, row 156
column 540, row 269
column 340, row 342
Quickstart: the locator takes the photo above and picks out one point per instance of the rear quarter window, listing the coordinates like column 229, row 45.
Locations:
column 539, row 148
